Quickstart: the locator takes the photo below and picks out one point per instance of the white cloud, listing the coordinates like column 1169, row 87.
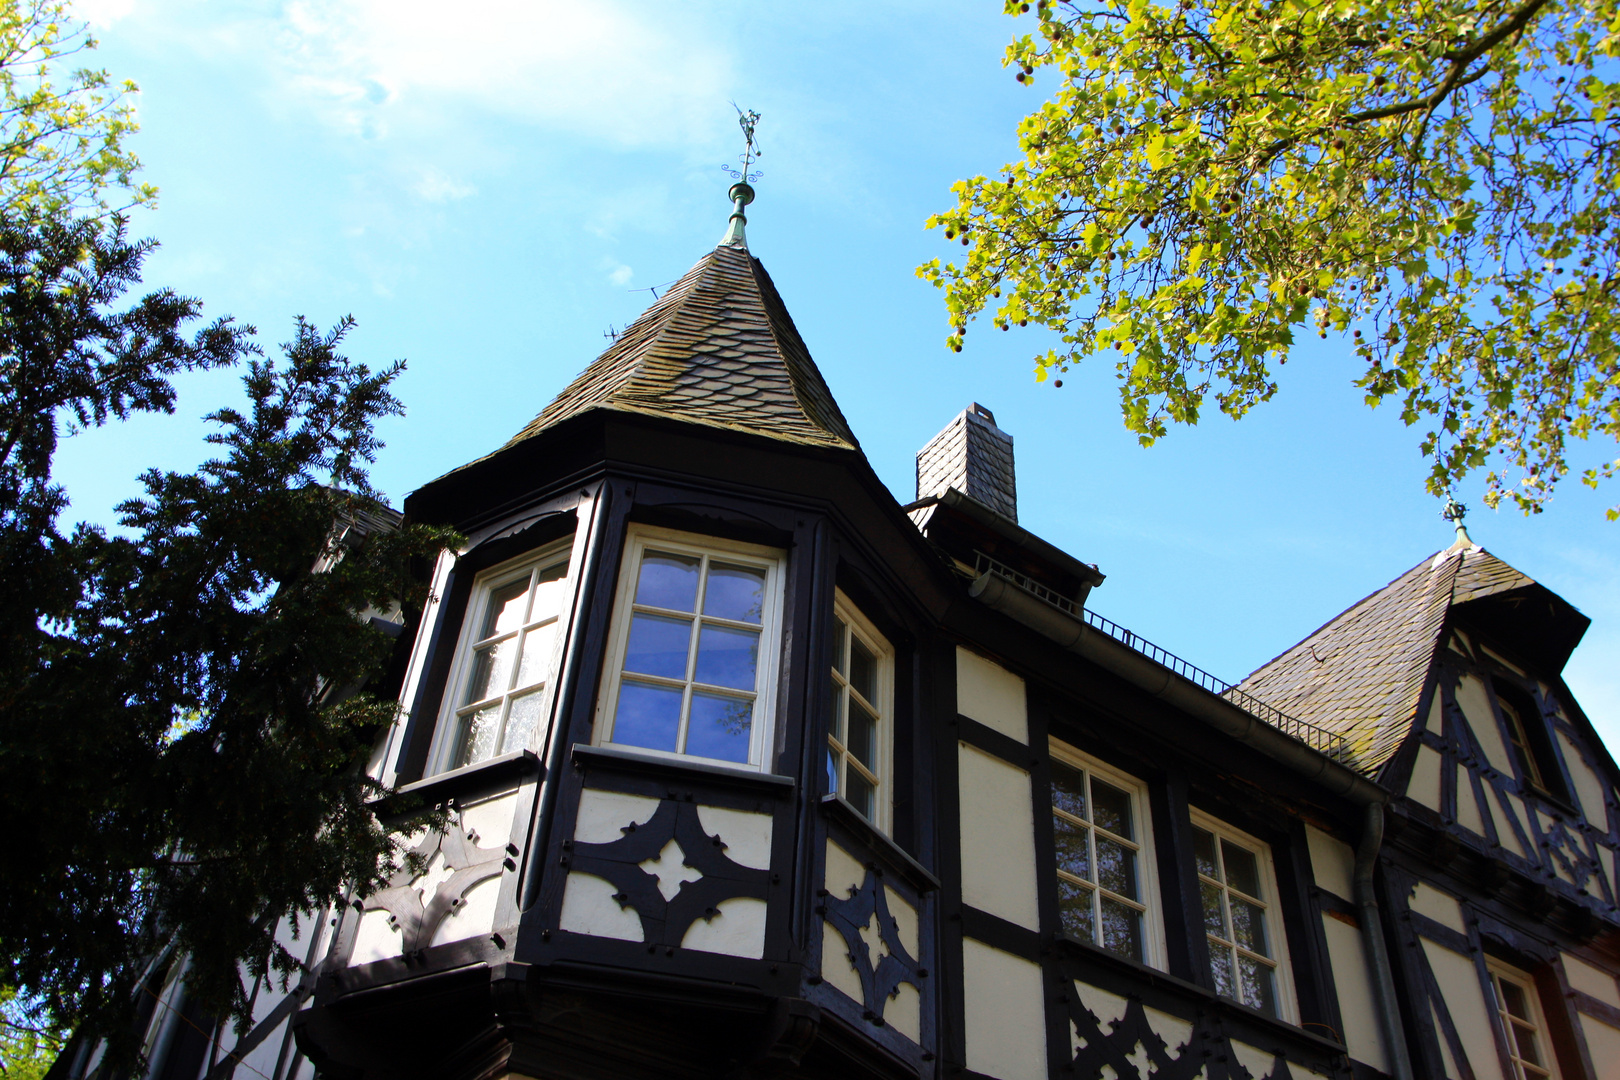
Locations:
column 628, row 77
column 620, row 275
column 434, row 186
column 101, row 14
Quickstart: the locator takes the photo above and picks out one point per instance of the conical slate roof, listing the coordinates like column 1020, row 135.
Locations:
column 1362, row 674
column 718, row 349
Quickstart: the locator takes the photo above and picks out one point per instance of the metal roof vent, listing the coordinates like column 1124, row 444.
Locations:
column 973, row 456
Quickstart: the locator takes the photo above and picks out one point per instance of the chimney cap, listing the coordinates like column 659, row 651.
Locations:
column 982, row 411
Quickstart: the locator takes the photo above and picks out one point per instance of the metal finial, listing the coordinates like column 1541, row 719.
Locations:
column 742, row 193
column 1454, row 512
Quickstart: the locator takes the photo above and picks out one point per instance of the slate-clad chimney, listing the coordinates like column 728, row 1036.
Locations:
column 973, row 456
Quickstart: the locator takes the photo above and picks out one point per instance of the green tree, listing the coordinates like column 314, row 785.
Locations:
column 178, row 739
column 29, row 1042
column 62, row 128
column 1433, row 181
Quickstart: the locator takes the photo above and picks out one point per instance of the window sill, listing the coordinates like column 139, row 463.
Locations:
column 1085, row 950
column 616, row 759
column 886, row 850
column 471, row 781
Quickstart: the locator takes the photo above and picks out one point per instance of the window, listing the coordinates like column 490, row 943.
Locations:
column 1099, row 822
column 1522, row 1022
column 1247, row 953
column 858, row 724
column 692, row 665
column 503, row 670
column 1527, row 736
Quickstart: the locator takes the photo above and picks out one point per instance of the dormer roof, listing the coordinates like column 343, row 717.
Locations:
column 1363, row 673
column 718, row 349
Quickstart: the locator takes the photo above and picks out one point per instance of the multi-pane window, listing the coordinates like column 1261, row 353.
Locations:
column 1099, row 829
column 1240, row 918
column 858, row 722
column 1522, row 1023
column 504, row 668
column 1527, row 735
column 694, row 654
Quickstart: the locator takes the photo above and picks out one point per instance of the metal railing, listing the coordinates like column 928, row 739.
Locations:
column 1317, row 738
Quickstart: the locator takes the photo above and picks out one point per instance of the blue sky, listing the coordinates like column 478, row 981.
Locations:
column 489, row 192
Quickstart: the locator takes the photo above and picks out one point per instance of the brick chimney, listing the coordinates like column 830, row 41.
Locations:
column 973, row 456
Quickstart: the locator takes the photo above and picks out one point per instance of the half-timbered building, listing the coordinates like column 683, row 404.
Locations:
column 754, row 769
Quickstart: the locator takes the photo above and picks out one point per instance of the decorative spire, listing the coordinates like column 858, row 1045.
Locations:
column 1455, row 512
column 742, row 193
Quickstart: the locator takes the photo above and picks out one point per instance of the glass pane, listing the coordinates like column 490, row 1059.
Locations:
column 735, row 592
column 727, row 657
column 719, row 727
column 835, row 709
column 1121, row 929
column 1116, row 866
column 1525, row 1039
column 488, row 677
column 668, row 581
column 536, row 654
column 1220, row 969
column 859, row 793
column 832, row 770
column 1214, row 922
column 1074, row 906
column 1072, row 854
column 548, row 597
column 505, row 611
column 840, row 639
column 862, row 669
column 1204, row 853
column 521, row 722
column 478, row 736
column 1069, row 791
column 1249, row 926
column 648, row 716
column 1513, row 999
column 658, row 646
column 862, row 735
column 1112, row 807
column 1258, row 986
column 1242, row 869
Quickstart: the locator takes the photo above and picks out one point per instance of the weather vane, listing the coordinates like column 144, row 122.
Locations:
column 751, row 151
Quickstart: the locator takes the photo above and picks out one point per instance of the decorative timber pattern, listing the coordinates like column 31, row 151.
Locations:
column 881, row 976
column 418, row 904
column 690, row 874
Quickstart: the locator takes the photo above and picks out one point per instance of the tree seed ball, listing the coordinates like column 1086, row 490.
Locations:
column 1057, row 382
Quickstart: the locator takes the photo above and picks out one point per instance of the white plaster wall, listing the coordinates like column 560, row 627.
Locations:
column 990, row 694
column 843, row 872
column 1589, row 787
column 1468, row 815
column 604, row 814
column 904, row 1012
column 588, row 907
column 998, row 837
column 836, row 966
column 1107, row 1006
column 1592, row 980
column 1465, row 999
column 747, row 835
column 905, row 920
column 739, row 929
column 1175, row 1031
column 1503, row 820
column 1603, row 1044
column 491, row 819
column 1424, row 787
column 1333, row 863
column 1352, row 979
column 375, row 939
column 1475, row 700
column 1259, row 1063
column 1441, row 907
column 1448, row 1064
column 473, row 918
column 1004, row 1017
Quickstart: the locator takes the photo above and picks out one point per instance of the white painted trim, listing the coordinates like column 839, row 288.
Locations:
column 432, row 613
column 1153, row 937
column 477, row 602
column 862, row 627
column 637, row 539
column 1538, row 1015
column 1287, row 1007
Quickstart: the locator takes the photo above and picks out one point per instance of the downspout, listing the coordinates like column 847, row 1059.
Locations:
column 1372, row 932
column 1074, row 635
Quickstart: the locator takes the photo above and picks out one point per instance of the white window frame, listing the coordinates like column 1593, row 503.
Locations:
column 447, row 729
column 1276, row 929
column 1500, row 972
column 1153, row 943
column 772, row 560
column 881, row 777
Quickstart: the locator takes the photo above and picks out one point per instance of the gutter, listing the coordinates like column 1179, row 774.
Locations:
column 1101, row 649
